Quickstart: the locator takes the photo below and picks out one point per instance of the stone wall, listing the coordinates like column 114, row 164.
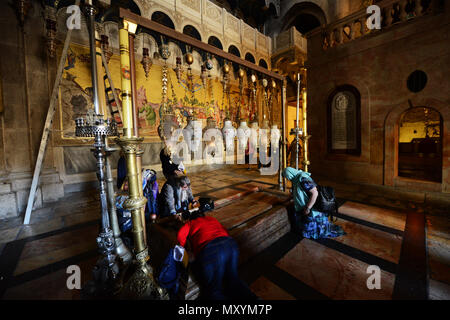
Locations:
column 25, row 81
column 378, row 65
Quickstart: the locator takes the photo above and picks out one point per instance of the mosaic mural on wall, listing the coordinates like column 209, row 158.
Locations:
column 202, row 101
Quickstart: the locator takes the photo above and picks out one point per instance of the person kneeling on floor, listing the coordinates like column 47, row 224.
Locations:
column 175, row 196
column 216, row 257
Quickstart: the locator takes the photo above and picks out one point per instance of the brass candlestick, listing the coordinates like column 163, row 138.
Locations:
column 141, row 285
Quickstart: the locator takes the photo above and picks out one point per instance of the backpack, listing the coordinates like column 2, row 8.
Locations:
column 326, row 201
column 150, row 188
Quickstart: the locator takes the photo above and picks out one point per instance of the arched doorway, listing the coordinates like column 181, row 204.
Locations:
column 263, row 63
column 420, row 144
column 163, row 19
column 214, row 41
column 191, row 31
column 234, row 50
column 304, row 16
column 249, row 57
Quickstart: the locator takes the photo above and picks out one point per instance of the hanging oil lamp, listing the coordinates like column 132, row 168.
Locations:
column 166, row 123
column 273, row 86
column 208, row 66
column 178, row 69
column 22, row 7
column 241, row 74
column 252, row 98
column 146, row 61
column 265, row 83
column 226, row 78
column 189, row 58
column 50, row 25
column 203, row 76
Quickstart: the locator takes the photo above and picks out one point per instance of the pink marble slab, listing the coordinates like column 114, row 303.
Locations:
column 334, row 274
column 267, row 290
column 376, row 242
column 395, row 219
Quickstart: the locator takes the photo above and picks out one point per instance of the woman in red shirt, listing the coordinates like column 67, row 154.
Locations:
column 216, row 258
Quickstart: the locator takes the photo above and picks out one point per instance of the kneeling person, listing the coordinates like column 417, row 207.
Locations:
column 216, row 257
column 175, row 196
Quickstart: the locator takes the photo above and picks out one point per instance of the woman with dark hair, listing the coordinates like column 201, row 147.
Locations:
column 216, row 257
column 175, row 196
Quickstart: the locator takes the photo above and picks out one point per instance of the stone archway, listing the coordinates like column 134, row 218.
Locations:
column 391, row 143
column 304, row 16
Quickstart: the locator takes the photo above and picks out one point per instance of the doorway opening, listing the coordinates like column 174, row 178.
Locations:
column 420, row 144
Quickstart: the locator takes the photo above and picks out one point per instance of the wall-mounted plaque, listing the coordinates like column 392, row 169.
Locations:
column 344, row 121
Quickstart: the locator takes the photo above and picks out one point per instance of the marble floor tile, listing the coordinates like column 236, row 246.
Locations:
column 35, row 229
column 79, row 208
column 213, row 184
column 53, row 256
column 267, row 290
column 82, row 217
column 439, row 259
column 47, row 250
column 376, row 242
column 386, row 217
column 224, row 193
column 333, row 274
column 52, row 286
column 199, row 189
column 251, row 185
column 10, row 223
column 438, row 226
column 9, row 234
column 438, row 290
column 243, row 209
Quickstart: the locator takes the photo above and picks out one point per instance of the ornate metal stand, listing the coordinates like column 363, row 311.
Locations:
column 141, row 284
column 106, row 270
column 121, row 250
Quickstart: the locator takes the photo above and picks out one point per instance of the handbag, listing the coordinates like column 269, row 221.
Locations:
column 326, row 200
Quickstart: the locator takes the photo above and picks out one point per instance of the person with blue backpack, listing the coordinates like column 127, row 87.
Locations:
column 308, row 221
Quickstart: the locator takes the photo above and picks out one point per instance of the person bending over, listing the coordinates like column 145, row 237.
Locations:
column 175, row 196
column 216, row 257
column 315, row 224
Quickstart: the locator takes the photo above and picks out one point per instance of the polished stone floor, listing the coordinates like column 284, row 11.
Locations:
column 34, row 258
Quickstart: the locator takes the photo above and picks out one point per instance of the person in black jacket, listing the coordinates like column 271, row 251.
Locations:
column 175, row 196
column 169, row 168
